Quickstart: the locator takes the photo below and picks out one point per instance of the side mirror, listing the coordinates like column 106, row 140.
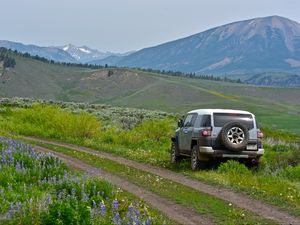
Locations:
column 180, row 123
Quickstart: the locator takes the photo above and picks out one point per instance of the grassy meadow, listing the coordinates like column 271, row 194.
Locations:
column 277, row 108
column 36, row 188
column 147, row 140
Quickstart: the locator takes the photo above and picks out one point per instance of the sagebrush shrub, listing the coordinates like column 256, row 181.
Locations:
column 233, row 167
column 51, row 121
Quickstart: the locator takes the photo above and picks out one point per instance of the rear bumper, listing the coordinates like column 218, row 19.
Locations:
column 210, row 152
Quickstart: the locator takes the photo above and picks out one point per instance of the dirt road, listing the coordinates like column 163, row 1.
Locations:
column 174, row 211
column 262, row 209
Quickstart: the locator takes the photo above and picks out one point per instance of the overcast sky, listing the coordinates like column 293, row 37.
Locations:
column 124, row 25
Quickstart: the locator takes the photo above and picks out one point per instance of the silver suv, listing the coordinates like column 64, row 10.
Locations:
column 217, row 133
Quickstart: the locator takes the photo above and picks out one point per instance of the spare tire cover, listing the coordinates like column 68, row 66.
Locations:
column 235, row 136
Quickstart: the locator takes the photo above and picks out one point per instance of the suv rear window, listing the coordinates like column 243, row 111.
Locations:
column 220, row 119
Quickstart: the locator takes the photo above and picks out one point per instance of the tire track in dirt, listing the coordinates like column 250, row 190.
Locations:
column 174, row 211
column 243, row 201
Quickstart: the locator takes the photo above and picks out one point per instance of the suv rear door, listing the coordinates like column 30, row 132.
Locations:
column 186, row 132
column 220, row 119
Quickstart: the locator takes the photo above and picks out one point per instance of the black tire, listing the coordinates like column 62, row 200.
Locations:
column 235, row 136
column 175, row 157
column 195, row 162
column 253, row 163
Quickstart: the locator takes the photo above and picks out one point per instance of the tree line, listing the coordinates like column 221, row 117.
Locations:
column 191, row 75
column 50, row 61
column 8, row 62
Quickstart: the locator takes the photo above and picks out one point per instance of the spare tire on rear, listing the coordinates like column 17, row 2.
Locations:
column 235, row 136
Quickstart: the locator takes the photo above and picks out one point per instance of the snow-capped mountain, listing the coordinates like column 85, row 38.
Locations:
column 84, row 54
column 50, row 53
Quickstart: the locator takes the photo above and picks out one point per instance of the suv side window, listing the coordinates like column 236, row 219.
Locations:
column 190, row 120
column 205, row 121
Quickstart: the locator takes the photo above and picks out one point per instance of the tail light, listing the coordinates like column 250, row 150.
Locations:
column 260, row 134
column 205, row 132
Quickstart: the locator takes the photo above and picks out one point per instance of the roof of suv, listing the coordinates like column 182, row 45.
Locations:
column 210, row 111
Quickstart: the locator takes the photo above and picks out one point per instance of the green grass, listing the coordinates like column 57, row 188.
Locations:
column 148, row 141
column 50, row 121
column 219, row 211
column 264, row 186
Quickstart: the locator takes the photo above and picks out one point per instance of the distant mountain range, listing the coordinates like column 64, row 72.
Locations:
column 87, row 55
column 51, row 53
column 67, row 53
column 257, row 48
column 250, row 46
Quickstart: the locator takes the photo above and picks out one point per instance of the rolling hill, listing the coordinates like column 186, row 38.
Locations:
column 278, row 107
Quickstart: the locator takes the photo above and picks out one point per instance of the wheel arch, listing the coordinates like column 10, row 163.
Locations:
column 196, row 142
column 193, row 143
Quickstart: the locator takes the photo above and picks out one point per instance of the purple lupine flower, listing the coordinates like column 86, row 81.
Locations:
column 18, row 166
column 30, row 201
column 66, row 175
column 130, row 214
column 12, row 206
column 85, row 197
column 11, row 159
column 138, row 213
column 148, row 221
column 48, row 199
column 4, row 160
column 117, row 219
column 19, row 206
column 102, row 208
column 59, row 196
column 68, row 197
column 11, row 211
column 115, row 204
column 130, row 208
column 73, row 192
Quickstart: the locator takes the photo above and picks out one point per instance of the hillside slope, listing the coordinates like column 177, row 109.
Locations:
column 134, row 88
column 251, row 46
